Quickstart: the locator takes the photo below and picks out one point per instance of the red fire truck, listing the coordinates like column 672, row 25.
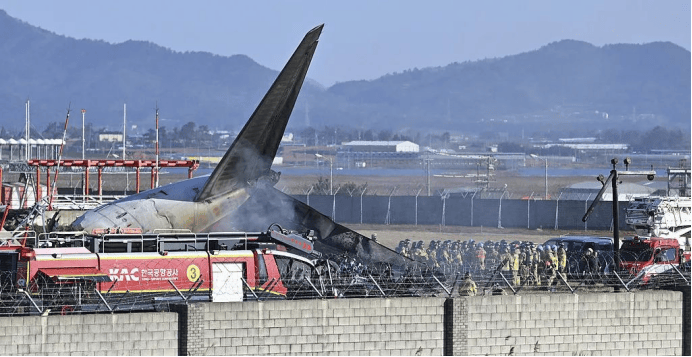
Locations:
column 646, row 257
column 119, row 271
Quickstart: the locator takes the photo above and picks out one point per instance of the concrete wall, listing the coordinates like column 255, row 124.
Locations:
column 403, row 326
column 463, row 211
column 94, row 334
column 640, row 323
column 643, row 323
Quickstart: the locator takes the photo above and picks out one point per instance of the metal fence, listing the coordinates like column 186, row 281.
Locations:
column 468, row 210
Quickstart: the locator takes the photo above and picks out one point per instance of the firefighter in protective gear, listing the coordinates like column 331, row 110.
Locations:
column 506, row 264
column 480, row 256
column 506, row 260
column 493, row 257
column 432, row 254
column 550, row 267
column 420, row 255
column 525, row 267
column 458, row 257
column 561, row 259
column 446, row 255
column 468, row 287
column 536, row 264
column 590, row 262
column 516, row 260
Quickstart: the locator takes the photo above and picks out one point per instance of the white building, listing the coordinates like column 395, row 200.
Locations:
column 589, row 190
column 381, row 146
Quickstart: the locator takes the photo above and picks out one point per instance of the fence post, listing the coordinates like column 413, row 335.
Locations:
column 474, row 195
column 444, row 208
column 418, row 193
column 361, row 205
column 499, row 211
column 308, row 196
column 586, row 208
column 334, row 205
column 557, row 205
column 528, row 212
column 388, row 218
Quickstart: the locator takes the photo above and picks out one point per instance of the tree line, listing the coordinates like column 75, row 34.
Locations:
column 191, row 135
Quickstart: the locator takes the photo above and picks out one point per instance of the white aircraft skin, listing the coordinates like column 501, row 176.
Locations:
column 168, row 207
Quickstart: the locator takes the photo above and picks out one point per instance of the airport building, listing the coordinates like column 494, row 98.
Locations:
column 361, row 154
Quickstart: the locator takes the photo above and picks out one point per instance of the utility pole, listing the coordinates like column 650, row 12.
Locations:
column 546, row 178
column 27, row 146
column 427, row 174
column 613, row 180
column 83, row 140
column 124, row 128
column 157, row 145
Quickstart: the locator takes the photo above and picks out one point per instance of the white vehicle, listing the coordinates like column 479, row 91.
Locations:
column 664, row 217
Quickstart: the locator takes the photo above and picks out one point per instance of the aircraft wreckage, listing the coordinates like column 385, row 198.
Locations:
column 239, row 194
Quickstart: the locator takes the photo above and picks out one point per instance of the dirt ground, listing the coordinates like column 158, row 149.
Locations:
column 392, row 234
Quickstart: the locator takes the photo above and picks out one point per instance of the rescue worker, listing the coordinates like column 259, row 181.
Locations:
column 493, row 257
column 432, row 254
column 458, row 257
column 446, row 257
column 590, row 262
column 526, row 259
column 538, row 264
column 535, row 262
column 506, row 263
column 480, row 256
column 562, row 259
column 550, row 266
column 419, row 253
column 516, row 260
column 468, row 286
column 398, row 247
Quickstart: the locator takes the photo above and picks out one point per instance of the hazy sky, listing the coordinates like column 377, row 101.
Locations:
column 362, row 39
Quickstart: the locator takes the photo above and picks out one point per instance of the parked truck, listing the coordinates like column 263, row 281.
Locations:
column 647, row 257
column 136, row 271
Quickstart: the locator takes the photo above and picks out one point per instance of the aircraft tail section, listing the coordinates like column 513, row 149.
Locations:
column 250, row 156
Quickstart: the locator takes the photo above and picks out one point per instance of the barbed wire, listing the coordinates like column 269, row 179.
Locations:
column 331, row 277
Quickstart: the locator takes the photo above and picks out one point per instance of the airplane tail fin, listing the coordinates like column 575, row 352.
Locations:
column 251, row 154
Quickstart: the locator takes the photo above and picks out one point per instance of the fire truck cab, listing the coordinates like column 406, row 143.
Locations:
column 646, row 257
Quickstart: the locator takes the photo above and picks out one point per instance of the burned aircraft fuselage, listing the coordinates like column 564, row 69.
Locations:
column 165, row 208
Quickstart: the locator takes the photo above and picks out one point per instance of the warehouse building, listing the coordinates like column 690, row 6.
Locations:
column 378, row 154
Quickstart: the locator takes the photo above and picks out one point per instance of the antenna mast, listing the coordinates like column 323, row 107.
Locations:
column 27, row 135
column 157, row 145
column 124, row 128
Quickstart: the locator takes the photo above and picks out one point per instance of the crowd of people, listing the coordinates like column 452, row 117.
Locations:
column 518, row 261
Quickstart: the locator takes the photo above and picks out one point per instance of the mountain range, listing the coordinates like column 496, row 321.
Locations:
column 567, row 85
